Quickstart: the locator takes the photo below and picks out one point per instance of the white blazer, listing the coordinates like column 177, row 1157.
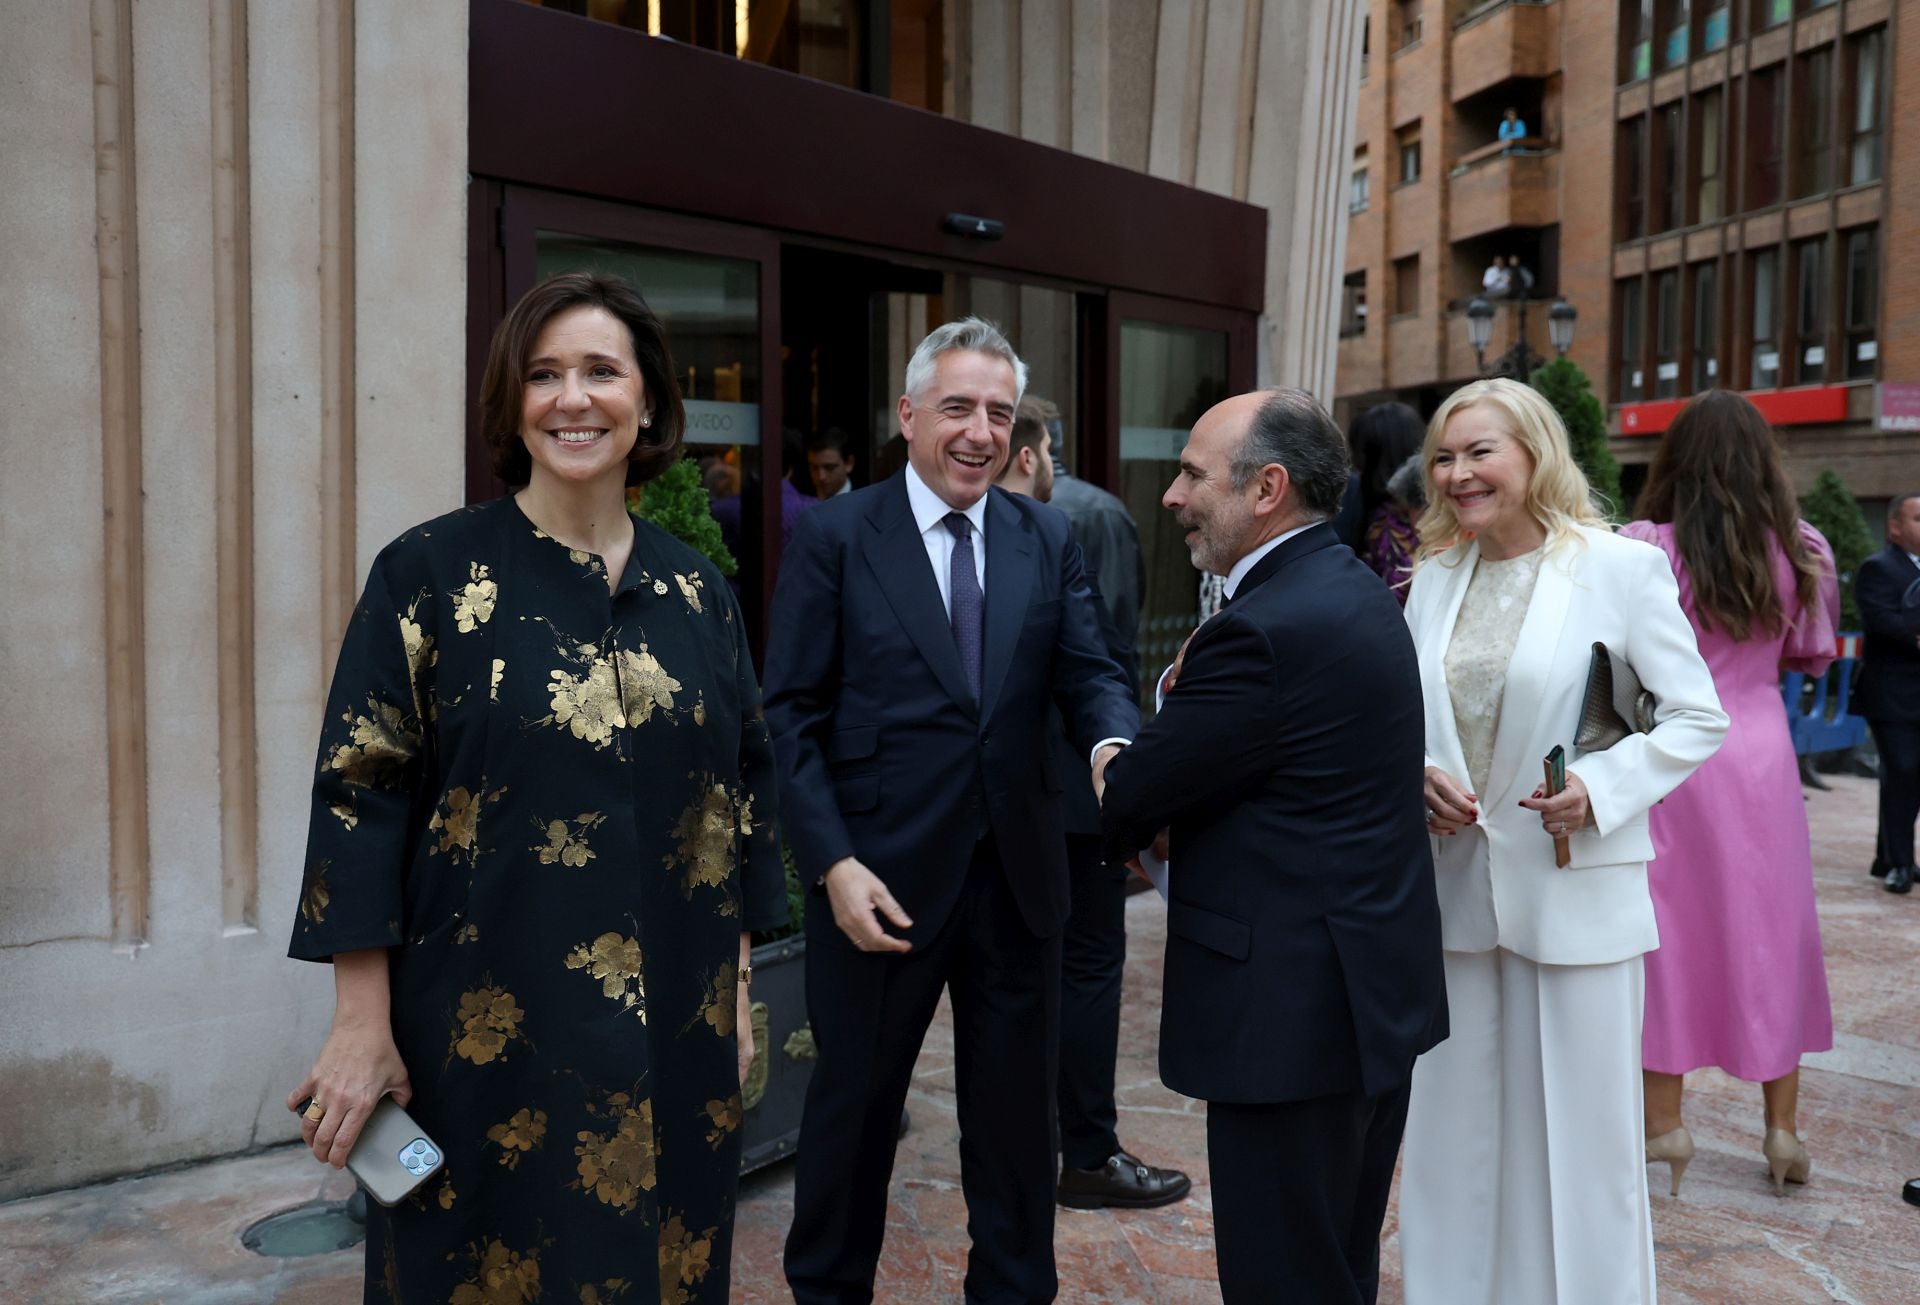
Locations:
column 1498, row 884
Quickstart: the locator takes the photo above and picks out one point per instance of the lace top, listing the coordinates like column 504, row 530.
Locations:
column 1491, row 614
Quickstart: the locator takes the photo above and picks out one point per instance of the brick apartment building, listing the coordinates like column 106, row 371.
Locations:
column 1727, row 192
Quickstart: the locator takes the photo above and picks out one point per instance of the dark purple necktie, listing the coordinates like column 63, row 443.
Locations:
column 966, row 607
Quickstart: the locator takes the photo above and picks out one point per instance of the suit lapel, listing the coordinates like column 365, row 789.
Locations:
column 1009, row 585
column 1533, row 653
column 898, row 558
column 1433, row 660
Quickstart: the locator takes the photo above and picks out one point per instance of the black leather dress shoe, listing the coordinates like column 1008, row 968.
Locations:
column 1878, row 869
column 1900, row 879
column 1911, row 1192
column 1123, row 1182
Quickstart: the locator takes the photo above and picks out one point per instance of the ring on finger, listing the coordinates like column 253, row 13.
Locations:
column 314, row 1111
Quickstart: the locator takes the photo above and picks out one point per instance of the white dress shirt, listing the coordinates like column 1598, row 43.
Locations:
column 930, row 514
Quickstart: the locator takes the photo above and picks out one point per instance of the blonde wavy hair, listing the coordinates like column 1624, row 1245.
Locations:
column 1558, row 495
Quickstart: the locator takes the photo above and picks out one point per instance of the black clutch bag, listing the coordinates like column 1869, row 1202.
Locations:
column 1615, row 705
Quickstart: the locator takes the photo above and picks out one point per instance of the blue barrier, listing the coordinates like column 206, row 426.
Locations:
column 1818, row 719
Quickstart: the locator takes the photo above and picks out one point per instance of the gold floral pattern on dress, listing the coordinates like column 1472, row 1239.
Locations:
column 470, row 932
column 684, row 1260
column 580, row 556
column 493, row 680
column 644, row 685
column 501, row 1277
column 567, row 839
column 417, row 642
column 726, row 1116
column 457, row 821
column 690, row 587
column 707, row 838
column 345, row 813
column 316, row 897
column 383, row 742
column 489, row 1019
column 519, row 1136
column 618, row 1167
column 588, row 705
column 615, row 961
column 609, row 1292
column 473, row 605
column 700, row 711
column 446, row 1195
column 718, row 1007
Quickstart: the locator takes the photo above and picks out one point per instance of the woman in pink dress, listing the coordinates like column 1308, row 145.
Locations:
column 1738, row 980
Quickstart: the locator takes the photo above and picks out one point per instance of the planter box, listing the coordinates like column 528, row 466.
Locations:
column 776, row 1088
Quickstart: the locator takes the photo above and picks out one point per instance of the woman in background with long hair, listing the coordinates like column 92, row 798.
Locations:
column 1739, row 981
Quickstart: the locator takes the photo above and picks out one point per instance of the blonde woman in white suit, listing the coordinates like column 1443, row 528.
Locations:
column 1524, row 1179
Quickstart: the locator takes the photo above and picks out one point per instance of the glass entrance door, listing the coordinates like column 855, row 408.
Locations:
column 1169, row 362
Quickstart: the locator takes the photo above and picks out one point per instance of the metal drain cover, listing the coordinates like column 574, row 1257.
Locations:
column 311, row 1229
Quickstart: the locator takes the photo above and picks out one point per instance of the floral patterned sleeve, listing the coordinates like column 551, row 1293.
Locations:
column 367, row 779
column 763, row 885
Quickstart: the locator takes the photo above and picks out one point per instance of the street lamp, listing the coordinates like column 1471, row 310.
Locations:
column 1560, row 319
column 1479, row 330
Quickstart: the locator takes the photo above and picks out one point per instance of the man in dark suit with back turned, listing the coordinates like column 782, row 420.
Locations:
column 1887, row 591
column 1303, row 969
column 1095, row 1173
column 922, row 630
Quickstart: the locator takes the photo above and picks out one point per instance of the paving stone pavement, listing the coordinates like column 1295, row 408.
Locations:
column 1846, row 1237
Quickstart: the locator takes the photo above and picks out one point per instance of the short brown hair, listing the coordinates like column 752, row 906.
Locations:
column 1032, row 421
column 504, row 380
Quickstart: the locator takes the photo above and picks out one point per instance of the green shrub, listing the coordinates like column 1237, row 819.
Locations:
column 1832, row 510
column 1566, row 388
column 677, row 502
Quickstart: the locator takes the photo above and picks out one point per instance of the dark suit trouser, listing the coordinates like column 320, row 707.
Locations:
column 1093, row 959
column 869, row 1013
column 1899, row 745
column 1299, row 1193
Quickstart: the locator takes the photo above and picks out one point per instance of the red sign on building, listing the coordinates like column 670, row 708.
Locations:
column 1804, row 406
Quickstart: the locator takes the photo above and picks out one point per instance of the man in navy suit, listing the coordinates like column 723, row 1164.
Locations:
column 1887, row 591
column 1303, row 969
column 922, row 630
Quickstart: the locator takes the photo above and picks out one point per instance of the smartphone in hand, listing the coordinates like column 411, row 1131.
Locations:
column 392, row 1156
column 1556, row 768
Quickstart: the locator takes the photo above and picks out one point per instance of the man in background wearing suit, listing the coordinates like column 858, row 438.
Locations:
column 1887, row 591
column 1095, row 1172
column 1303, row 931
column 923, row 630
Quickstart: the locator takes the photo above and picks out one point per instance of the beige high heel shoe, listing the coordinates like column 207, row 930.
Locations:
column 1787, row 1159
column 1676, row 1148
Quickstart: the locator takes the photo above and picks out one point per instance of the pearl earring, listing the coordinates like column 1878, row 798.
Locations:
column 646, row 421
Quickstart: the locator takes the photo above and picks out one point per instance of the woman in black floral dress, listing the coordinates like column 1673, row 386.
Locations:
column 541, row 833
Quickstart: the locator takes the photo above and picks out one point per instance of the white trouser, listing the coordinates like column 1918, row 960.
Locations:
column 1524, row 1179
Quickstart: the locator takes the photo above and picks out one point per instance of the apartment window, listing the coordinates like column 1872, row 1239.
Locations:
column 1810, row 316
column 1706, row 326
column 1666, row 334
column 1716, row 26
column 1673, row 31
column 1406, row 23
column 1670, row 202
column 1813, row 125
column 1636, row 40
column 1409, row 141
column 1632, row 156
column 1406, row 285
column 1765, row 123
column 1353, row 305
column 1626, row 311
column 1866, row 55
column 1710, row 189
column 1862, row 308
column 1765, row 297
column 1771, row 13
column 1359, row 188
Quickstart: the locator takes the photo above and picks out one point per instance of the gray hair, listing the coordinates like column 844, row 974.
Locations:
column 1407, row 486
column 974, row 333
column 1293, row 430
